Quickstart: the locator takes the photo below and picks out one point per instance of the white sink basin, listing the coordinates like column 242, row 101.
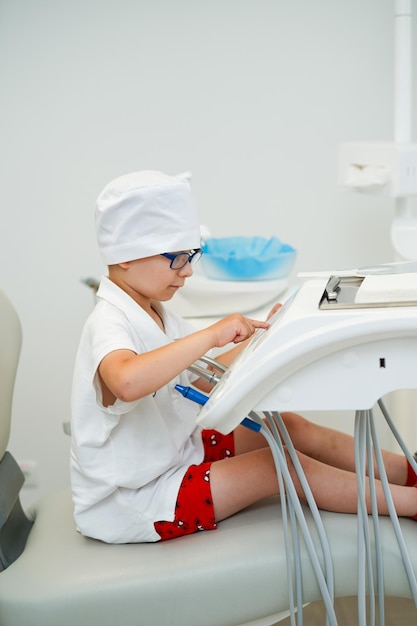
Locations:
column 204, row 297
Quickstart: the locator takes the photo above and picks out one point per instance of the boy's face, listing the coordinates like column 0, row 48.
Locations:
column 153, row 278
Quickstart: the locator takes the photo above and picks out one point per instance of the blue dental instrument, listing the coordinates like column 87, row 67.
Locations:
column 200, row 398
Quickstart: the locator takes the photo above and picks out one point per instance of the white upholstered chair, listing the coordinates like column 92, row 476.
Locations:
column 236, row 575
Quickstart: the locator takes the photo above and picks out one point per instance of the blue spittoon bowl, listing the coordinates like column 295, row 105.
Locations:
column 247, row 258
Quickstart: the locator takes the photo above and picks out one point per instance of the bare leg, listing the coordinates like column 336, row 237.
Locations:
column 240, row 481
column 335, row 448
column 327, row 445
column 247, row 440
column 244, row 479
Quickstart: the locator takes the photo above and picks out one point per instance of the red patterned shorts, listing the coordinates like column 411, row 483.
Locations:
column 194, row 507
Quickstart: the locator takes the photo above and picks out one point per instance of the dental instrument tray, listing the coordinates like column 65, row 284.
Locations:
column 353, row 292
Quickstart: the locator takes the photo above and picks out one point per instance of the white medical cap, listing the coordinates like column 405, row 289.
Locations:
column 145, row 213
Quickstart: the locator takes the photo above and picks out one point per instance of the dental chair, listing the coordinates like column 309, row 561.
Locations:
column 237, row 575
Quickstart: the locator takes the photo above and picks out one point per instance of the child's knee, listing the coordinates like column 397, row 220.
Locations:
column 294, row 421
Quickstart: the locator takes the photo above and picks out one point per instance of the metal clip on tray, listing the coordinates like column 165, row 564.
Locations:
column 340, row 293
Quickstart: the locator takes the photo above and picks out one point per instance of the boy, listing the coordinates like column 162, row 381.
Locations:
column 141, row 470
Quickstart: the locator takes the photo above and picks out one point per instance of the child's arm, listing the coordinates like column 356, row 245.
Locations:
column 129, row 376
column 226, row 358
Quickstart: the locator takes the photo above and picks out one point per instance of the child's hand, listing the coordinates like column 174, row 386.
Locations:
column 235, row 328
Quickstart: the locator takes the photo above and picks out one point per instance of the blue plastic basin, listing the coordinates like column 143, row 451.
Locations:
column 247, row 258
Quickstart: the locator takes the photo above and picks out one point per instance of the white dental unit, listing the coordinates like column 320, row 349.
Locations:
column 340, row 342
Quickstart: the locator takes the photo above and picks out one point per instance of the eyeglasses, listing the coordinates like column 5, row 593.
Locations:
column 181, row 259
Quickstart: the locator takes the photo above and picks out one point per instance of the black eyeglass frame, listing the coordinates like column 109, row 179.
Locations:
column 189, row 257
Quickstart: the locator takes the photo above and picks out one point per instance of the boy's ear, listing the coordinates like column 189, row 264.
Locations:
column 125, row 265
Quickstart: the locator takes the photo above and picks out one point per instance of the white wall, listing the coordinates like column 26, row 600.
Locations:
column 253, row 96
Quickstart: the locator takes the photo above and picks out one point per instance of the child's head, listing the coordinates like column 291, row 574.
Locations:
column 143, row 214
